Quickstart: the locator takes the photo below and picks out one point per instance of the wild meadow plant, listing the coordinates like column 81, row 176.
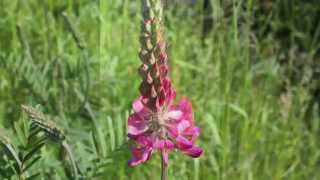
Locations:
column 34, row 135
column 157, row 124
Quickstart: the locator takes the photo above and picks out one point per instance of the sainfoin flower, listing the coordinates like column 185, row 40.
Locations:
column 171, row 128
column 157, row 124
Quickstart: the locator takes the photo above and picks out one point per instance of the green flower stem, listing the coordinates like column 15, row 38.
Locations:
column 164, row 169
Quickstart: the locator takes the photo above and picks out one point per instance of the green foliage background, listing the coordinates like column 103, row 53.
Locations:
column 253, row 81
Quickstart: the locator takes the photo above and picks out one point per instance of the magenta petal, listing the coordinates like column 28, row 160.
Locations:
column 173, row 131
column 163, row 144
column 159, row 144
column 140, row 109
column 169, row 144
column 177, row 129
column 137, row 105
column 136, row 130
column 140, row 155
column 183, row 143
column 182, row 126
column 185, row 106
column 136, row 125
column 174, row 114
column 193, row 152
column 195, row 133
column 145, row 140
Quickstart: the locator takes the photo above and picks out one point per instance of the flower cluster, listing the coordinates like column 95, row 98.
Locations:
column 157, row 124
column 171, row 128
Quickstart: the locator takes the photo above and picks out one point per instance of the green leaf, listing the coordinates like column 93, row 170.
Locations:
column 29, row 165
column 120, row 129
column 239, row 110
column 32, row 177
column 33, row 151
column 12, row 152
column 214, row 129
column 99, row 139
column 33, row 132
column 111, row 133
column 21, row 136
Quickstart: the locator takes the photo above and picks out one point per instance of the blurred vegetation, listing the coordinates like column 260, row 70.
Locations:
column 251, row 69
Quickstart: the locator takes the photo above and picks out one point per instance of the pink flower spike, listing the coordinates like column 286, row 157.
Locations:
column 157, row 123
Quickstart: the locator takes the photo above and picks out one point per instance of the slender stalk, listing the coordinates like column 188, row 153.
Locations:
column 85, row 56
column 67, row 148
column 164, row 169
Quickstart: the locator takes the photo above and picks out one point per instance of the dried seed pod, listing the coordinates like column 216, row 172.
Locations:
column 40, row 120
